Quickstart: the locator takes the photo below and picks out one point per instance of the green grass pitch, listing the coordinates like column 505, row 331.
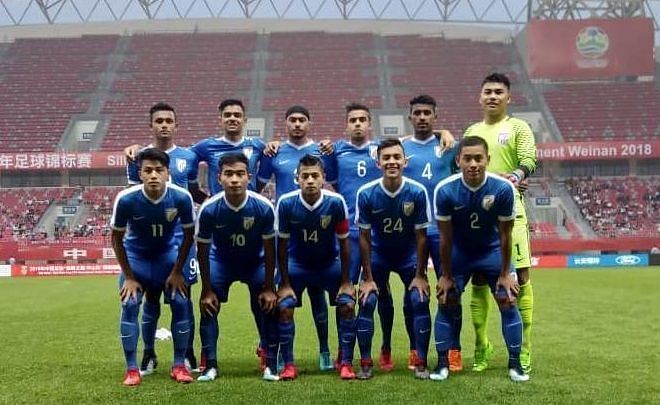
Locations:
column 595, row 341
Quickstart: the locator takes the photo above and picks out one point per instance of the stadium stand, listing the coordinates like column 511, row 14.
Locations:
column 60, row 73
column 606, row 111
column 626, row 206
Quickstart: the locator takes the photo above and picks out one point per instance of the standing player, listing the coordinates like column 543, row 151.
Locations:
column 310, row 221
column 147, row 255
column 183, row 173
column 236, row 242
column 475, row 213
column 393, row 213
column 513, row 155
column 428, row 163
column 283, row 167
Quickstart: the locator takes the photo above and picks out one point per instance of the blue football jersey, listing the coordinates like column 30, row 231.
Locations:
column 312, row 230
column 284, row 166
column 428, row 164
column 474, row 212
column 210, row 150
column 152, row 225
column 183, row 167
column 393, row 218
column 354, row 166
column 237, row 233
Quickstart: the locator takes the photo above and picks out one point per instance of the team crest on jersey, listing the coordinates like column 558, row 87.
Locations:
column 408, row 208
column 488, row 202
column 170, row 214
column 247, row 151
column 439, row 150
column 373, row 151
column 503, row 138
column 181, row 164
column 325, row 221
column 248, row 222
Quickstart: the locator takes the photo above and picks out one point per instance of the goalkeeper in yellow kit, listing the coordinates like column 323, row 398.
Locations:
column 513, row 155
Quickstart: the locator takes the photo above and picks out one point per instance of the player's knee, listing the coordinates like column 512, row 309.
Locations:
column 370, row 303
column 180, row 303
column 452, row 300
column 347, row 311
column 503, row 300
column 131, row 307
column 419, row 301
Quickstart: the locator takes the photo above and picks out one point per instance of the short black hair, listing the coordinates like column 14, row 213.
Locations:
column 230, row 101
column 231, row 158
column 357, row 107
column 153, row 154
column 310, row 160
column 423, row 99
column 387, row 143
column 472, row 141
column 161, row 107
column 297, row 109
column 497, row 78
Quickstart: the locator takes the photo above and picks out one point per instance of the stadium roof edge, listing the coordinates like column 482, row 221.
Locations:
column 474, row 31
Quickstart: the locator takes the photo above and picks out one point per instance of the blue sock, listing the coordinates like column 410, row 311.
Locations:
column 408, row 318
column 287, row 333
column 181, row 330
column 512, row 331
column 443, row 334
column 270, row 329
column 129, row 330
column 320, row 313
column 190, row 350
column 456, row 325
column 347, row 340
column 421, row 323
column 208, row 333
column 258, row 316
column 365, row 325
column 386, row 313
column 150, row 315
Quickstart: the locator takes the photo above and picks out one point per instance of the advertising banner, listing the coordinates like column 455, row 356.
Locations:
column 27, row 270
column 623, row 260
column 590, row 48
column 62, row 161
column 549, row 261
column 610, row 150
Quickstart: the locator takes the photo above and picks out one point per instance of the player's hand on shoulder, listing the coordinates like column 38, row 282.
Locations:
column 131, row 152
column 443, row 289
column 326, row 147
column 421, row 283
column 130, row 288
column 523, row 186
column 272, row 148
column 366, row 288
column 446, row 138
column 208, row 302
column 267, row 300
column 176, row 284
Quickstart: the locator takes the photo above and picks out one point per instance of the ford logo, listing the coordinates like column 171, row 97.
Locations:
column 628, row 260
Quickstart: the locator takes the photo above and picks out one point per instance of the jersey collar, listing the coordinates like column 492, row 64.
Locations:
column 424, row 141
column 389, row 193
column 154, row 202
column 231, row 207
column 473, row 189
column 311, row 207
column 225, row 140
column 151, row 145
column 293, row 145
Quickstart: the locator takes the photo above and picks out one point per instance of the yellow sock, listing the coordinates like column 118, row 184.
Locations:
column 526, row 306
column 480, row 307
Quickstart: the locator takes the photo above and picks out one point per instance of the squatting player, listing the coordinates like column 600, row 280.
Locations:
column 282, row 166
column 183, row 173
column 151, row 256
column 393, row 213
column 475, row 214
column 236, row 242
column 310, row 222
column 513, row 155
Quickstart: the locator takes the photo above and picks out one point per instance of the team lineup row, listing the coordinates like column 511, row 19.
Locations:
column 349, row 167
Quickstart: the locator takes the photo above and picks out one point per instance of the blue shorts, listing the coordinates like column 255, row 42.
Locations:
column 381, row 270
column 464, row 266
column 223, row 275
column 150, row 272
column 190, row 267
column 326, row 277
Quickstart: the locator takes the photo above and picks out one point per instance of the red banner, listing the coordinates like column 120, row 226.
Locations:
column 599, row 150
column 28, row 270
column 591, row 48
column 62, row 160
column 550, row 261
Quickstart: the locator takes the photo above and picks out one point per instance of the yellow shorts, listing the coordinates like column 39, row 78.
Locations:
column 521, row 252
